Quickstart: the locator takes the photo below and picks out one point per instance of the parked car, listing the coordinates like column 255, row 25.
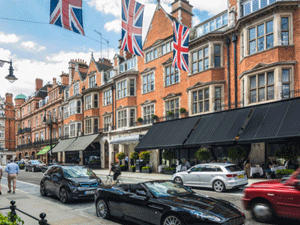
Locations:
column 69, row 182
column 276, row 197
column 219, row 176
column 34, row 165
column 46, row 167
column 164, row 202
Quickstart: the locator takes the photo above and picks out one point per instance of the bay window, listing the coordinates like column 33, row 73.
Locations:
column 78, row 107
column 96, row 125
column 66, row 131
column 262, row 87
column 172, row 107
column 285, row 83
column 72, row 130
column 218, row 100
column 72, row 108
column 132, row 119
column 284, row 31
column 200, row 101
column 107, row 97
column 88, row 126
column 200, row 59
column 95, row 100
column 66, row 112
column 122, row 89
column 107, row 122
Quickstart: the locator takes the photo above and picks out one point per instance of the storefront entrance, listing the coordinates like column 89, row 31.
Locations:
column 72, row 157
column 106, row 154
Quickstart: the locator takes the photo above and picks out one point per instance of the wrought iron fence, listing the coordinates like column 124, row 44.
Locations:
column 13, row 212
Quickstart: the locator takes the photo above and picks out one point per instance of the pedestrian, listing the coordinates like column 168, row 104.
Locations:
column 0, row 178
column 12, row 170
column 187, row 164
column 126, row 161
column 247, row 167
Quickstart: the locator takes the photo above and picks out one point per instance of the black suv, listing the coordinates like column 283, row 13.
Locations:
column 69, row 182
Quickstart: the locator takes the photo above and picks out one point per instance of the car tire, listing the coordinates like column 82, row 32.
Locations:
column 102, row 209
column 219, row 186
column 262, row 212
column 25, row 169
column 43, row 191
column 172, row 219
column 178, row 180
column 63, row 195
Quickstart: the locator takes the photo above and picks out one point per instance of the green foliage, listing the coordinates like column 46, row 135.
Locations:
column 134, row 156
column 182, row 110
column 237, row 152
column 169, row 168
column 132, row 167
column 288, row 152
column 170, row 113
column 140, row 120
column 203, row 154
column 10, row 219
column 146, row 168
column 145, row 156
column 154, row 117
column 168, row 155
column 121, row 156
column 122, row 166
column 285, row 172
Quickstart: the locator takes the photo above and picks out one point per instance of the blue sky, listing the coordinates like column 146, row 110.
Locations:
column 41, row 50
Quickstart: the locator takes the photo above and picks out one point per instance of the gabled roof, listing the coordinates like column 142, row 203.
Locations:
column 102, row 67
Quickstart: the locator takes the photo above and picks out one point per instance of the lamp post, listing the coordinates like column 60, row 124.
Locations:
column 10, row 77
column 49, row 121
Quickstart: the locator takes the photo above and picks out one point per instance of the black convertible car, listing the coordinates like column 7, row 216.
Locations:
column 164, row 203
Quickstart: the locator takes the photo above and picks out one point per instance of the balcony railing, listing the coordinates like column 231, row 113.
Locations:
column 38, row 143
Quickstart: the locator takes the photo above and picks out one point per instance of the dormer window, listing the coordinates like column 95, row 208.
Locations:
column 76, row 89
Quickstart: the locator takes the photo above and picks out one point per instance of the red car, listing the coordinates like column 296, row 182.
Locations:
column 274, row 198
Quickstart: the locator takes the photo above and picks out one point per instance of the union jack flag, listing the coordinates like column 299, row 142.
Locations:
column 180, row 47
column 67, row 14
column 132, row 23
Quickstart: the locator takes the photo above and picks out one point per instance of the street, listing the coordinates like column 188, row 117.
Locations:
column 29, row 182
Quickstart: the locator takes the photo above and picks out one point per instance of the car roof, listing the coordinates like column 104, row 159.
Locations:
column 217, row 164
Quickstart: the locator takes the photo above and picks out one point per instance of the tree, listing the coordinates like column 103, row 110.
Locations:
column 121, row 156
column 237, row 152
column 145, row 156
column 288, row 152
column 134, row 156
column 203, row 154
column 168, row 155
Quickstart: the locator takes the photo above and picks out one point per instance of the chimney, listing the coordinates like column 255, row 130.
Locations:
column 121, row 51
column 64, row 79
column 38, row 84
column 233, row 9
column 182, row 10
column 72, row 64
column 8, row 98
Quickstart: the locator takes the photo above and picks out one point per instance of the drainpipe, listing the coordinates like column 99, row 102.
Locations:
column 234, row 40
column 227, row 41
column 113, row 87
column 82, row 108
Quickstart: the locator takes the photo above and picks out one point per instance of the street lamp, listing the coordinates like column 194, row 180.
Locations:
column 50, row 121
column 10, row 77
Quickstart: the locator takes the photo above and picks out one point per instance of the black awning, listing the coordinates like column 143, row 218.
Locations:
column 169, row 134
column 273, row 121
column 218, row 128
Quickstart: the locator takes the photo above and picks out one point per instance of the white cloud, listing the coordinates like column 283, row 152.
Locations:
column 8, row 38
column 195, row 20
column 31, row 46
column 114, row 25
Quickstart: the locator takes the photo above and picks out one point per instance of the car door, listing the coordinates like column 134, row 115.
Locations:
column 57, row 180
column 207, row 174
column 52, row 179
column 192, row 178
column 28, row 166
column 47, row 180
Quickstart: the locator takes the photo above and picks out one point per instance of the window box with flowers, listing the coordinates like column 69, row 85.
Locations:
column 154, row 118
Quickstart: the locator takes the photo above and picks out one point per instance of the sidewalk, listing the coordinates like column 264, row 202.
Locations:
column 153, row 176
column 57, row 213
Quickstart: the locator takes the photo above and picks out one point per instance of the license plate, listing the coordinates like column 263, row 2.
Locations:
column 241, row 176
column 89, row 192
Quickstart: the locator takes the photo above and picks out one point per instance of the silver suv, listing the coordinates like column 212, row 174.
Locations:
column 219, row 176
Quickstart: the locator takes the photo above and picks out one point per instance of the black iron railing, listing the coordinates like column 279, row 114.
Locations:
column 13, row 212
column 38, row 143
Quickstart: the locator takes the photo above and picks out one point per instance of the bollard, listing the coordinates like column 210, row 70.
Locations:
column 13, row 208
column 43, row 221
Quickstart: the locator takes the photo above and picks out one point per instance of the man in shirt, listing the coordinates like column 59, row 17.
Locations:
column 13, row 170
column 0, row 178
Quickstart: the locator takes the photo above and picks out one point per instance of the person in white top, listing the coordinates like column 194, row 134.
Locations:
column 0, row 178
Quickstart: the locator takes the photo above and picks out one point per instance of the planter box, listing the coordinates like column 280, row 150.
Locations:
column 133, row 170
column 169, row 171
column 123, row 168
column 279, row 176
column 147, row 170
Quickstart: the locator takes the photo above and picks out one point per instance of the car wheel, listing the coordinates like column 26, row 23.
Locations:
column 25, row 169
column 33, row 169
column 219, row 186
column 102, row 209
column 63, row 195
column 262, row 212
column 172, row 220
column 178, row 180
column 43, row 191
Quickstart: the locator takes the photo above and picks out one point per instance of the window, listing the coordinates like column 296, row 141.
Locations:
column 66, row 131
column 54, row 133
column 166, row 48
column 122, row 118
column 122, row 89
column 285, row 83
column 92, row 81
column 72, row 108
column 88, row 102
column 28, row 109
column 67, row 94
column 132, row 117
column 76, row 89
column 42, row 119
column 132, row 87
column 78, row 106
column 107, row 97
column 262, row 87
column 95, row 100
column 254, row 5
column 66, row 112
column 96, row 125
column 261, row 37
column 173, row 106
column 107, row 122
column 172, row 75
column 36, row 137
column 78, row 129
column 151, row 55
column 242, row 45
column 148, row 112
column 217, row 56
column 88, row 126
column 36, row 121
column 218, row 99
column 42, row 135
column 54, row 113
column 59, row 131
column 72, row 130
column 201, row 101
column 148, row 83
column 200, row 60
column 1, row 134
column 284, row 30
column 59, row 112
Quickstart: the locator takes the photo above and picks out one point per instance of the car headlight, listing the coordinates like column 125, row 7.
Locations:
column 204, row 216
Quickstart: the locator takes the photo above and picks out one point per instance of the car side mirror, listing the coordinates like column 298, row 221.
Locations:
column 141, row 193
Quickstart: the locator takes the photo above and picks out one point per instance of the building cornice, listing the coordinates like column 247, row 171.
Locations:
column 171, row 96
column 148, row 102
column 202, row 84
column 147, row 70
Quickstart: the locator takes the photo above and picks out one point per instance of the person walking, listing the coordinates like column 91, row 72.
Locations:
column 12, row 170
column 0, row 178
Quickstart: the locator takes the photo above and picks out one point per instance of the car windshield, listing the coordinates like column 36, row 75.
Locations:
column 36, row 162
column 77, row 172
column 233, row 168
column 167, row 189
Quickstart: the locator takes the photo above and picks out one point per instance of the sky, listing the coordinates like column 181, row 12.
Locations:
column 42, row 50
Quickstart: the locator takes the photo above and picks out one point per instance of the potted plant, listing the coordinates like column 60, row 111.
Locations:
column 123, row 167
column 145, row 156
column 134, row 156
column 169, row 170
column 154, row 118
column 202, row 154
column 281, row 173
column 183, row 111
column 121, row 156
column 168, row 155
column 236, row 153
column 170, row 115
column 140, row 120
column 146, row 169
column 133, row 168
